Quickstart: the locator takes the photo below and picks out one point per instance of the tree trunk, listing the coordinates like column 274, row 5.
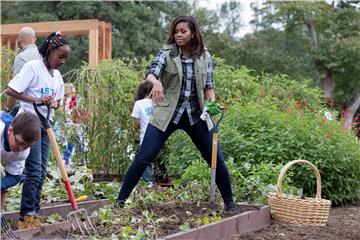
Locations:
column 327, row 84
column 309, row 24
column 351, row 112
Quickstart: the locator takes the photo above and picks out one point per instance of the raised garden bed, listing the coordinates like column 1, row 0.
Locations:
column 59, row 229
column 186, row 220
column 173, row 220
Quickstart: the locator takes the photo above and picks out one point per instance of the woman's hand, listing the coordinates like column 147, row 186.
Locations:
column 156, row 93
column 209, row 94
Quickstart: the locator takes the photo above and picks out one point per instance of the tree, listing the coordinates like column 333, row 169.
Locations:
column 335, row 35
column 139, row 27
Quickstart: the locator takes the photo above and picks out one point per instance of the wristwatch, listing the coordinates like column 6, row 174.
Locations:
column 6, row 109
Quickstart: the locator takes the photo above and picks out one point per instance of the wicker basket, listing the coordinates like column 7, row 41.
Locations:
column 293, row 209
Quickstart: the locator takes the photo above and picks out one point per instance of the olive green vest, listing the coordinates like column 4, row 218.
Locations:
column 171, row 80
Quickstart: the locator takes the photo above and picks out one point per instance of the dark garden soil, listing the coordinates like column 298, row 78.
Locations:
column 343, row 224
column 176, row 214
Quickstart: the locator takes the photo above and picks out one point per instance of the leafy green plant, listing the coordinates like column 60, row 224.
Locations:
column 264, row 134
column 213, row 108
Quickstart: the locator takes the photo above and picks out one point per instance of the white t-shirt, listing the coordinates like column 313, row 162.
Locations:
column 15, row 161
column 35, row 80
column 142, row 110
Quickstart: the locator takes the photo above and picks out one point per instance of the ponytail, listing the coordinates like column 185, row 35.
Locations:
column 54, row 40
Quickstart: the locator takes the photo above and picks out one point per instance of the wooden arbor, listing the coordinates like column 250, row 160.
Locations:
column 99, row 33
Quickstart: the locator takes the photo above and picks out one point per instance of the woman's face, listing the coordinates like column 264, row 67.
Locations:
column 183, row 34
column 58, row 56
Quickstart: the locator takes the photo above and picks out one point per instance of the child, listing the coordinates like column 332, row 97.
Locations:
column 39, row 81
column 17, row 135
column 141, row 114
column 69, row 100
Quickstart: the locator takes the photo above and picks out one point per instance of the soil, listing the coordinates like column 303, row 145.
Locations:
column 343, row 224
column 176, row 214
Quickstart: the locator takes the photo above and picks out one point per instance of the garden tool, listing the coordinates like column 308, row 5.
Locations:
column 214, row 155
column 78, row 218
column 6, row 231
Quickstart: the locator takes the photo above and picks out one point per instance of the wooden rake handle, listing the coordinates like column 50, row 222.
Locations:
column 56, row 151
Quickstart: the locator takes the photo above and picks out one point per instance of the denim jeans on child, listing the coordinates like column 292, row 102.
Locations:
column 35, row 173
column 154, row 139
column 147, row 175
column 9, row 181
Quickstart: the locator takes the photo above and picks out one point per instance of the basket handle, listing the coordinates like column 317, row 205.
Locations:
column 288, row 165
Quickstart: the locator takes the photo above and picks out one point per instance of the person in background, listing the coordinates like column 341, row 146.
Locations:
column 70, row 101
column 17, row 135
column 29, row 52
column 182, row 79
column 141, row 113
column 39, row 81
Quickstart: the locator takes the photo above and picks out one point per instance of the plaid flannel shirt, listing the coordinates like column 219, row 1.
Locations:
column 188, row 99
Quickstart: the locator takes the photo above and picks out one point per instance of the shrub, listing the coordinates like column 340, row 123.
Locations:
column 260, row 133
column 108, row 95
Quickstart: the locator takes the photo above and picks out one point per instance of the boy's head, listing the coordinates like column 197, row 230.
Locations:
column 23, row 132
column 144, row 90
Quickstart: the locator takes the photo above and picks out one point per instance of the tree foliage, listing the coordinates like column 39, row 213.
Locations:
column 139, row 27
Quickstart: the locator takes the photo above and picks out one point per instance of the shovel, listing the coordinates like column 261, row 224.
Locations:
column 214, row 155
column 78, row 218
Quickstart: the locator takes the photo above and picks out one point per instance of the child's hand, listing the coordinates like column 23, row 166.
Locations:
column 55, row 104
column 46, row 100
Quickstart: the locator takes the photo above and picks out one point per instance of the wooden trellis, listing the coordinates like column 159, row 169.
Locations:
column 99, row 33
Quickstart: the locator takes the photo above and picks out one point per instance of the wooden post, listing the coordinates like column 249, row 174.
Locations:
column 99, row 34
column 108, row 41
column 93, row 47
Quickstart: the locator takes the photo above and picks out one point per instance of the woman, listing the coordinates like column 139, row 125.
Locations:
column 182, row 80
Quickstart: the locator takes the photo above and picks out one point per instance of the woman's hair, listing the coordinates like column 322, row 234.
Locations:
column 54, row 40
column 143, row 90
column 27, row 125
column 196, row 45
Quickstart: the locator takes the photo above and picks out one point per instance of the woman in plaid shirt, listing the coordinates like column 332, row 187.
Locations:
column 182, row 79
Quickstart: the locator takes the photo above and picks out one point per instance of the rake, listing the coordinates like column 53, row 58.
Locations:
column 78, row 218
column 6, row 231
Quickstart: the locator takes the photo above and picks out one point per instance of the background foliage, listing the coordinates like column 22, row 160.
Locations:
column 271, row 117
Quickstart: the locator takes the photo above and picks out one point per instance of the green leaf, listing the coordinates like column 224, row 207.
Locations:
column 185, row 227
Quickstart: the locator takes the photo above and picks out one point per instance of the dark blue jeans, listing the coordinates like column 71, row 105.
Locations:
column 154, row 139
column 35, row 173
column 147, row 175
column 9, row 181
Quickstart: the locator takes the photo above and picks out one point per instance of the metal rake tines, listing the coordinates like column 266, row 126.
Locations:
column 80, row 221
column 6, row 231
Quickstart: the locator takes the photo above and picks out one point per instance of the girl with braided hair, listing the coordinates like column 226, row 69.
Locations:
column 39, row 81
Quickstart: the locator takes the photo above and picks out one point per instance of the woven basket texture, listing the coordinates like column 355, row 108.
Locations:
column 296, row 210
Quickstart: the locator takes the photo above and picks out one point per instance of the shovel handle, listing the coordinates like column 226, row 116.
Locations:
column 214, row 155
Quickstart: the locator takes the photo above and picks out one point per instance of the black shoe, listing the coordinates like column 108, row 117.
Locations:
column 231, row 207
column 119, row 204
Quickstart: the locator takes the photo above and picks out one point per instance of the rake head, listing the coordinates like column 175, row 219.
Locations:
column 81, row 222
column 6, row 231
